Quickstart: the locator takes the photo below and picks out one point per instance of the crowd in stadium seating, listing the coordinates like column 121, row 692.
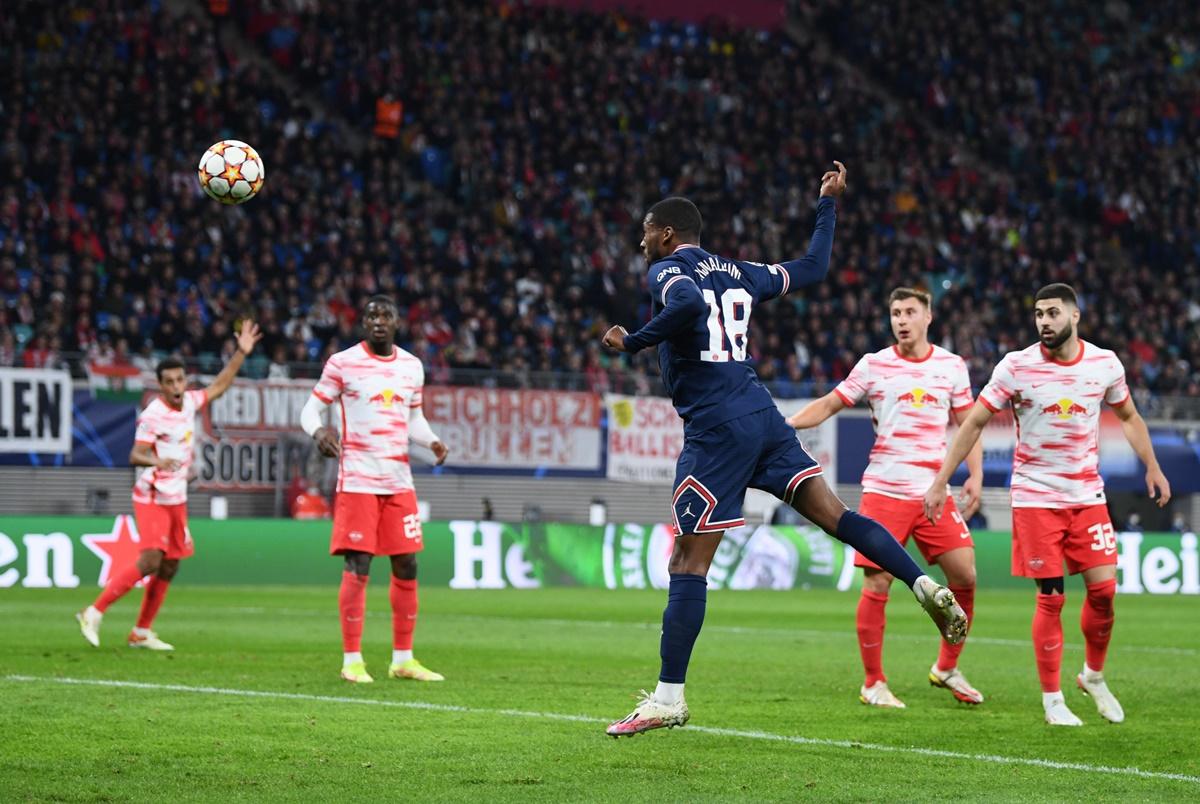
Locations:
column 505, row 212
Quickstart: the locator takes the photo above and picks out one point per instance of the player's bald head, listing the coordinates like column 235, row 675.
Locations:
column 678, row 213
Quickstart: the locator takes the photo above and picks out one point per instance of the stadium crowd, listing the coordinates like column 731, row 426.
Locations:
column 489, row 165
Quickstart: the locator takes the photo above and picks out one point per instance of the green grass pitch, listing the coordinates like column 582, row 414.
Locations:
column 772, row 689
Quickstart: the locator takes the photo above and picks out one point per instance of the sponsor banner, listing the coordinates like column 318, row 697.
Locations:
column 645, row 436
column 81, row 552
column 489, row 428
column 35, row 411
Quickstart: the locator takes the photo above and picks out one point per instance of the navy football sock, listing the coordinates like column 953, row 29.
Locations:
column 872, row 540
column 682, row 619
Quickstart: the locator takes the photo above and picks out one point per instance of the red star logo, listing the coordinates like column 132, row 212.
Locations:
column 232, row 174
column 117, row 549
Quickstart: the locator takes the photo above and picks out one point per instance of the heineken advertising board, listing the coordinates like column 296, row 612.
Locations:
column 73, row 552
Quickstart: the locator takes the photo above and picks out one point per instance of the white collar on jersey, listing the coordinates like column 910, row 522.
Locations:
column 685, row 245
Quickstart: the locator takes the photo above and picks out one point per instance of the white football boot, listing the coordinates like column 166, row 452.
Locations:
column 956, row 682
column 878, row 694
column 939, row 603
column 1092, row 683
column 650, row 714
column 89, row 625
column 1057, row 713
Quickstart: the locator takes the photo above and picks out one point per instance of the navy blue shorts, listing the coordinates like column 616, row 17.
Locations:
column 758, row 450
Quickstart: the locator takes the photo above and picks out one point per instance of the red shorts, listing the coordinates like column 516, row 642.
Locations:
column 163, row 527
column 1044, row 537
column 379, row 524
column 904, row 518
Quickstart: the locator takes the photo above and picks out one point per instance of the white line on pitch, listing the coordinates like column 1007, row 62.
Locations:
column 993, row 759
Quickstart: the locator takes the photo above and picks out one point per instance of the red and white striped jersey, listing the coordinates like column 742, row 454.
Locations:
column 910, row 401
column 374, row 396
column 172, row 434
column 1057, row 409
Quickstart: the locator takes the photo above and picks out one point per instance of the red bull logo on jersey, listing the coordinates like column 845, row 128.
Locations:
column 1065, row 409
column 919, row 398
column 384, row 397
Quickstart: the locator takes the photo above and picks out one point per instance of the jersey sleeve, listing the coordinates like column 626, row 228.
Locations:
column 1001, row 388
column 855, row 387
column 664, row 279
column 766, row 281
column 331, row 384
column 813, row 266
column 418, row 397
column 199, row 398
column 1118, row 391
column 960, row 394
column 147, row 431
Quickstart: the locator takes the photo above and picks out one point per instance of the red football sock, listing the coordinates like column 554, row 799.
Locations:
column 156, row 590
column 119, row 583
column 1048, row 640
column 352, row 603
column 1097, row 621
column 404, row 612
column 871, row 620
column 948, row 655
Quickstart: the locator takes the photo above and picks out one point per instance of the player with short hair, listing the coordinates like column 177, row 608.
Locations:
column 734, row 436
column 1056, row 389
column 165, row 444
column 913, row 389
column 378, row 390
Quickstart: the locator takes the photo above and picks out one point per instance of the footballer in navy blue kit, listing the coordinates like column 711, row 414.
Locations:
column 734, row 436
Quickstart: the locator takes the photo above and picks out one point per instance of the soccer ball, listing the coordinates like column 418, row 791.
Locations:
column 231, row 172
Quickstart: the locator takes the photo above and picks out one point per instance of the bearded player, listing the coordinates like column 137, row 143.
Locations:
column 1056, row 389
column 377, row 387
column 913, row 389
column 164, row 443
column 734, row 436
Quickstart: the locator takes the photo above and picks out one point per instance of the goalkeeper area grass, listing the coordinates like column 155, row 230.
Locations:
column 250, row 706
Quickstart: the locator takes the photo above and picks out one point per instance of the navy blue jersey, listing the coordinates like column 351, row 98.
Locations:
column 701, row 306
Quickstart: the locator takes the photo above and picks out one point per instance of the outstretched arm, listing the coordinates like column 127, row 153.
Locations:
column 1138, row 436
column 814, row 265
column 246, row 339
column 816, row 411
column 969, row 431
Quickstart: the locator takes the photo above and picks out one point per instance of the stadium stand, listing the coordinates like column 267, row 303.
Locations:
column 505, row 213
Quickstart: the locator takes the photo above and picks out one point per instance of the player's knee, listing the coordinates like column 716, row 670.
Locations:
column 878, row 582
column 167, row 569
column 149, row 561
column 961, row 578
column 1052, row 586
column 404, row 567
column 1101, row 597
column 358, row 563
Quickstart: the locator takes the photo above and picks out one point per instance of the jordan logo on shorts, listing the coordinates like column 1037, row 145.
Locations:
column 687, row 512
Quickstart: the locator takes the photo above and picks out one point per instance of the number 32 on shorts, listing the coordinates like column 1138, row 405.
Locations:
column 1104, row 539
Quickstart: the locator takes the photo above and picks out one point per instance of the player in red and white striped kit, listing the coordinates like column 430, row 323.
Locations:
column 1056, row 389
column 377, row 388
column 913, row 389
column 165, row 444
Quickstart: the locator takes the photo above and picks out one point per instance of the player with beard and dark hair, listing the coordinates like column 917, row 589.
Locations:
column 1056, row 389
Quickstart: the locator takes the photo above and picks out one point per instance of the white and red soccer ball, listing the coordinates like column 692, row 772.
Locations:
column 231, row 172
